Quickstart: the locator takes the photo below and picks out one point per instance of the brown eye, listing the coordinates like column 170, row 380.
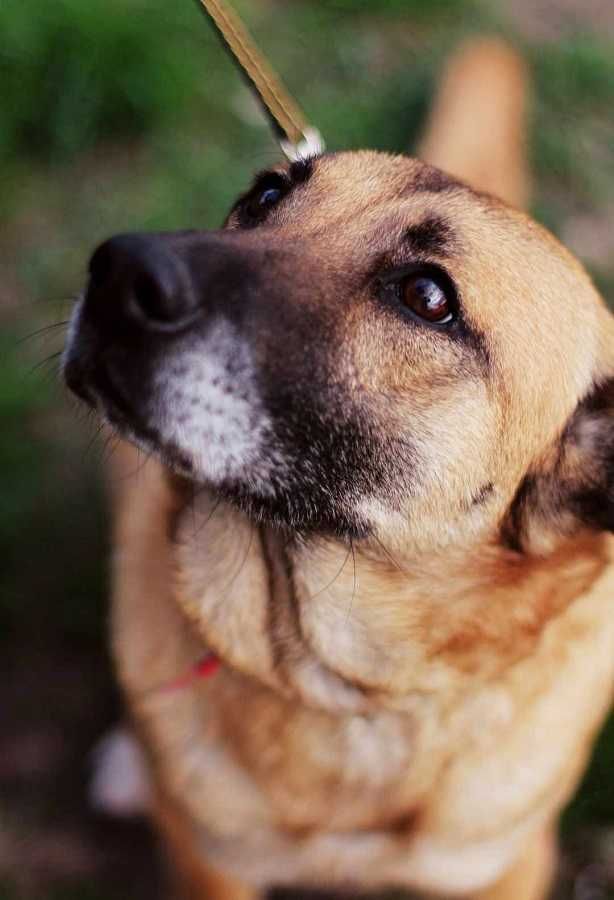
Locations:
column 426, row 299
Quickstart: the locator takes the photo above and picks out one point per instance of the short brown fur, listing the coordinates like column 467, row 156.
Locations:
column 413, row 705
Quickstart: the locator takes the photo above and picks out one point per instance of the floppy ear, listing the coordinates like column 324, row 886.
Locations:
column 574, row 487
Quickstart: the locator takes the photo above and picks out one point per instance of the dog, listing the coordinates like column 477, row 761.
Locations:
column 377, row 409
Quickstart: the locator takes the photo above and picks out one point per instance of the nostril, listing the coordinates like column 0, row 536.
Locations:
column 153, row 298
column 143, row 278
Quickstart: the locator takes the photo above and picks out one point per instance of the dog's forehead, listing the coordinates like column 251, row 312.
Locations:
column 375, row 197
column 518, row 285
column 382, row 175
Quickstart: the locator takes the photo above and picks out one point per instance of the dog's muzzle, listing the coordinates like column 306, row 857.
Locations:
column 145, row 291
column 150, row 285
column 162, row 345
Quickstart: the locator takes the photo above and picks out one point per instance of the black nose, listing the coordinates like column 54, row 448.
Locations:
column 150, row 283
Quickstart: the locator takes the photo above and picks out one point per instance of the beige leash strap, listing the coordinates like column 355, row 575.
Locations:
column 297, row 138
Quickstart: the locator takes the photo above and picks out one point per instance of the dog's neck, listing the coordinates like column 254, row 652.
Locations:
column 349, row 627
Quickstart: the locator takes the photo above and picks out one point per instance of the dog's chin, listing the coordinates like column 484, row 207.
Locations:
column 110, row 402
column 257, row 479
column 285, row 509
column 147, row 440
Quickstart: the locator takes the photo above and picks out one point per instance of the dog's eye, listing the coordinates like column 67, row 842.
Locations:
column 264, row 197
column 268, row 197
column 263, row 200
column 424, row 296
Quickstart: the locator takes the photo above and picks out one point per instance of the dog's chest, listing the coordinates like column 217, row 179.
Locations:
column 291, row 768
column 281, row 794
column 276, row 792
column 274, row 789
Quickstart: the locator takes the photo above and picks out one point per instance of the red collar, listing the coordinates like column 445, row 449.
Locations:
column 205, row 667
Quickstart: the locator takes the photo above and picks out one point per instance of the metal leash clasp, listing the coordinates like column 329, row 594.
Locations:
column 297, row 139
column 311, row 144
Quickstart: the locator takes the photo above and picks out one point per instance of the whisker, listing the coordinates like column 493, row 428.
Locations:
column 349, row 612
column 143, row 459
column 209, row 517
column 51, row 378
column 85, row 414
column 243, row 561
column 44, row 362
column 192, row 505
column 93, row 439
column 41, row 332
column 331, row 583
column 109, row 447
column 390, row 556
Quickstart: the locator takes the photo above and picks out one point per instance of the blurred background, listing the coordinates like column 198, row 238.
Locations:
column 126, row 114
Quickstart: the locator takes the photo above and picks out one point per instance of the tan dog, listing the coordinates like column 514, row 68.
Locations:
column 387, row 401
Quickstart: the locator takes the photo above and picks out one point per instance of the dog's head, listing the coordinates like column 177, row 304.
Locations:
column 366, row 346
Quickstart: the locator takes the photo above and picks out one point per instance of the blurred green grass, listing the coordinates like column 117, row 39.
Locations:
column 126, row 114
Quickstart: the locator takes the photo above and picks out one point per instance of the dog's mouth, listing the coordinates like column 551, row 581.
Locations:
column 115, row 404
column 197, row 408
column 104, row 393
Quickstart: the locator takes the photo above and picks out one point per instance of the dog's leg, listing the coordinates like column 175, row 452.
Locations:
column 531, row 876
column 191, row 876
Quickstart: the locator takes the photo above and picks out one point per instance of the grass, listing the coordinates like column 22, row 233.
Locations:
column 126, row 115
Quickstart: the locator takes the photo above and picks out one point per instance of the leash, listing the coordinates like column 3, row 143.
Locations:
column 296, row 137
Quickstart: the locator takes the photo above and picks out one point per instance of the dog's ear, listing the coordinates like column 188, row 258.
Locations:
column 573, row 488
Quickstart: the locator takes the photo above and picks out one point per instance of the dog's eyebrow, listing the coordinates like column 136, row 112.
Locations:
column 433, row 181
column 297, row 173
column 431, row 237
column 301, row 170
